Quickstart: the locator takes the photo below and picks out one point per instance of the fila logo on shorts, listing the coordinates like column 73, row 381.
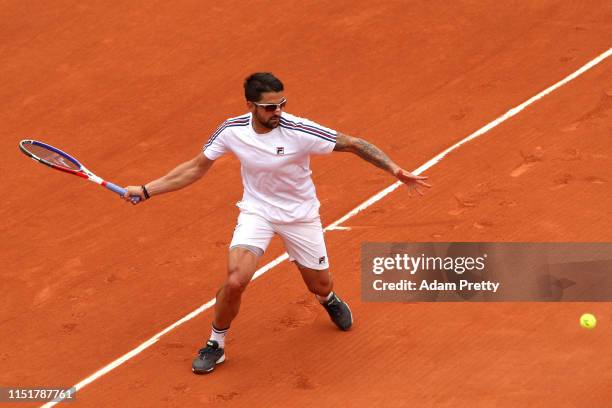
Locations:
column 280, row 150
column 321, row 260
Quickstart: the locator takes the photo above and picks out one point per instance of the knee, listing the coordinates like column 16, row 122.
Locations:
column 321, row 285
column 235, row 283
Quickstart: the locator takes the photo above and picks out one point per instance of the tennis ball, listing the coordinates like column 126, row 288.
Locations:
column 588, row 321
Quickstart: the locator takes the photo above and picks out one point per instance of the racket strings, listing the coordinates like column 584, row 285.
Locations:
column 52, row 157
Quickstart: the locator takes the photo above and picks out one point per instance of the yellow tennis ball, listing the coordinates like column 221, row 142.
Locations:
column 588, row 321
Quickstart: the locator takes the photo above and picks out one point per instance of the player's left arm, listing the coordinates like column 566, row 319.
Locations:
column 372, row 154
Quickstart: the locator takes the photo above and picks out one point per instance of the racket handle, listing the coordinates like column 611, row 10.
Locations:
column 120, row 190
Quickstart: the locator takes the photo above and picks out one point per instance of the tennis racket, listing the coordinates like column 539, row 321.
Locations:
column 62, row 161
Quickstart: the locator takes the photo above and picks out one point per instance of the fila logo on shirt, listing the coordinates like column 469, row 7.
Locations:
column 280, row 151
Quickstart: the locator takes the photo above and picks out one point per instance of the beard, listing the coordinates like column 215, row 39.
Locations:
column 271, row 123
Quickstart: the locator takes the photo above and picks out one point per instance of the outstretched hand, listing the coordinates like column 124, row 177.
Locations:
column 412, row 181
column 134, row 191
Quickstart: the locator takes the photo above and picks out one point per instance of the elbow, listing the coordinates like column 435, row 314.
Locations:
column 356, row 145
column 353, row 145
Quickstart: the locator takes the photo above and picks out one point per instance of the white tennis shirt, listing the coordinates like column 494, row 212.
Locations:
column 275, row 166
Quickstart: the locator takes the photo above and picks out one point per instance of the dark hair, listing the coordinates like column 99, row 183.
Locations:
column 260, row 82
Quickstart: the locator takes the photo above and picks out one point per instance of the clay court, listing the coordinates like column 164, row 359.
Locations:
column 132, row 89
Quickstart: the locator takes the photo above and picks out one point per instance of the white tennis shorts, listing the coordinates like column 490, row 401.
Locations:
column 303, row 240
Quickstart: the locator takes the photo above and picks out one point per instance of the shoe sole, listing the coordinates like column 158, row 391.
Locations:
column 222, row 359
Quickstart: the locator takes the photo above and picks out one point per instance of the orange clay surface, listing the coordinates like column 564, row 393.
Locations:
column 134, row 88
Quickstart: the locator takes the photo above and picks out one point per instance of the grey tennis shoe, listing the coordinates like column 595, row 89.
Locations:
column 208, row 358
column 339, row 312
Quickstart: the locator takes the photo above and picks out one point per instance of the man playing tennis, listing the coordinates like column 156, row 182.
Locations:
column 274, row 149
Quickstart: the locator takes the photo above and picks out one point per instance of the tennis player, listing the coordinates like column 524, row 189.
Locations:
column 274, row 149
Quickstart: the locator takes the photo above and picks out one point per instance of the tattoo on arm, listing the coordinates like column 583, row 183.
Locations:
column 365, row 150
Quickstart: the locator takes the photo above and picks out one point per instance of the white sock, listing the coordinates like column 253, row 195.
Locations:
column 218, row 335
column 324, row 299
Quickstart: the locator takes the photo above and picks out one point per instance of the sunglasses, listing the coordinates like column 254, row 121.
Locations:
column 272, row 107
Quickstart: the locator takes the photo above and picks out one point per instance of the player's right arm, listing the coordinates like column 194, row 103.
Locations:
column 179, row 177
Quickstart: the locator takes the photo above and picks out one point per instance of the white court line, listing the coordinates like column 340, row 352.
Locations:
column 512, row 112
column 335, row 225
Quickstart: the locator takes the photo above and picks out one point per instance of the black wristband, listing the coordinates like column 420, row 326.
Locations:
column 145, row 192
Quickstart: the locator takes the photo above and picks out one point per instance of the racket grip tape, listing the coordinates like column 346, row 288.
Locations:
column 120, row 190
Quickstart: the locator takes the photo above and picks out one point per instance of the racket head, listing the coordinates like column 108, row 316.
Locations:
column 50, row 156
